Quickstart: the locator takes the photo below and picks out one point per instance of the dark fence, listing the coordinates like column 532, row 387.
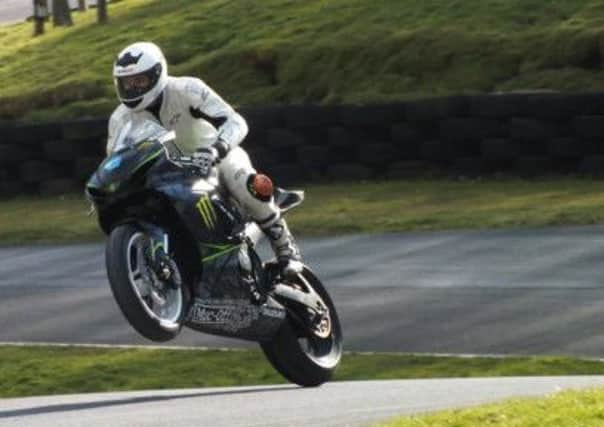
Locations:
column 515, row 134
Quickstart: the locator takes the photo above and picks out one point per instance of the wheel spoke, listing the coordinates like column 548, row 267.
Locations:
column 137, row 277
column 139, row 281
column 319, row 340
column 165, row 304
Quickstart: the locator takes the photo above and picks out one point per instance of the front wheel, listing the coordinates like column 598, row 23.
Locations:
column 154, row 307
column 308, row 347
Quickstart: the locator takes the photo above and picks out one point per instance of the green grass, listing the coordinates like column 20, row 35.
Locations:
column 27, row 371
column 288, row 51
column 333, row 209
column 567, row 409
column 441, row 204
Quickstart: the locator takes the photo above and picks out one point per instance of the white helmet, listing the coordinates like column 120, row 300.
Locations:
column 140, row 74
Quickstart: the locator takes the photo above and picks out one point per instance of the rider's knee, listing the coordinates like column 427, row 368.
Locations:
column 260, row 187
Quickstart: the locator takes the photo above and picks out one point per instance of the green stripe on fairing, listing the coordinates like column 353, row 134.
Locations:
column 148, row 159
column 219, row 254
column 219, row 247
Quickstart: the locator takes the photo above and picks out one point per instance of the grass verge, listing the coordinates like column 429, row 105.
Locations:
column 358, row 208
column 567, row 409
column 28, row 371
column 315, row 51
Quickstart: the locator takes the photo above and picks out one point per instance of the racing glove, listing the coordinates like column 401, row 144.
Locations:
column 205, row 158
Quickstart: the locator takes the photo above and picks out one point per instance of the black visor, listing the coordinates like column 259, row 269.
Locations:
column 136, row 86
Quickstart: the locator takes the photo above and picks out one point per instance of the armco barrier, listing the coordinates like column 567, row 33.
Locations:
column 525, row 134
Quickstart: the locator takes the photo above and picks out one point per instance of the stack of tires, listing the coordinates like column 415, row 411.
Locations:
column 49, row 159
column 525, row 134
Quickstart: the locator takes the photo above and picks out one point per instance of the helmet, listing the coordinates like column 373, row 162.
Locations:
column 140, row 74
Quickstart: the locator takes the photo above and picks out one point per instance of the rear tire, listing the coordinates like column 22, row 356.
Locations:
column 300, row 356
column 118, row 253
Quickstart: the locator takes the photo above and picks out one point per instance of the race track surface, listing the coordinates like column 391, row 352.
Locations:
column 505, row 292
column 15, row 10
column 18, row 10
column 334, row 404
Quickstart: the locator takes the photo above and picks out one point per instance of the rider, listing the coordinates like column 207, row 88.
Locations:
column 207, row 128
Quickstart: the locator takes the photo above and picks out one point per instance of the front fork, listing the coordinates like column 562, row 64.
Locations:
column 160, row 260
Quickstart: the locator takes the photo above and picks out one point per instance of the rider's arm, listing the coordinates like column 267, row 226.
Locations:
column 208, row 105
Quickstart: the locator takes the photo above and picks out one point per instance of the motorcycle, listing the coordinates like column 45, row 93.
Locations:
column 180, row 252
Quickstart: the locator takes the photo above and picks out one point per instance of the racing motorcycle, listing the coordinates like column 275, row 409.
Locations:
column 180, row 252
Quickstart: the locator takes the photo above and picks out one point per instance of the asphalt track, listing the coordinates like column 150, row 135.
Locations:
column 15, row 10
column 334, row 404
column 500, row 292
column 18, row 10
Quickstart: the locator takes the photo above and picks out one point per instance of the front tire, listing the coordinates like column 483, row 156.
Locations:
column 302, row 356
column 156, row 314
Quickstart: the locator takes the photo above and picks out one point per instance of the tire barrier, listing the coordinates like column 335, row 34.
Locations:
column 566, row 148
column 524, row 134
column 497, row 151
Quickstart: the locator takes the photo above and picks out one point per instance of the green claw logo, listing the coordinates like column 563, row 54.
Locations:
column 206, row 210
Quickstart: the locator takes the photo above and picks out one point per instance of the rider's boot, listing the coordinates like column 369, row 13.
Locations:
column 285, row 248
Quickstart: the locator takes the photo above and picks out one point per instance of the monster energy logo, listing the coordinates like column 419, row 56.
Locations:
column 206, row 210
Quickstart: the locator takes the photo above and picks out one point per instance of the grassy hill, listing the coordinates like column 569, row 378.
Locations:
column 320, row 51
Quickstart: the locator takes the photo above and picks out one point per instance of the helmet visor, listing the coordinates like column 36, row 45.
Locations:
column 138, row 85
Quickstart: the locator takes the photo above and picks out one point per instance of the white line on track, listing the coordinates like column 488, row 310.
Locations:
column 225, row 349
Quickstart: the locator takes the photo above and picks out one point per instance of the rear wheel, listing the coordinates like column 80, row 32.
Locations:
column 308, row 348
column 154, row 307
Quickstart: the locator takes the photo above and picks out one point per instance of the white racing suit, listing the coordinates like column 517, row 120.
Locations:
column 199, row 116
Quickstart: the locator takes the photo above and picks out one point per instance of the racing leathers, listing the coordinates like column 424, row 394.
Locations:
column 200, row 118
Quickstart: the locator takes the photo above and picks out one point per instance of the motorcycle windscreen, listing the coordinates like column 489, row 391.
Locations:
column 136, row 131
column 116, row 170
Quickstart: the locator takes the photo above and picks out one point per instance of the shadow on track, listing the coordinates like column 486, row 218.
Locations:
column 40, row 410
